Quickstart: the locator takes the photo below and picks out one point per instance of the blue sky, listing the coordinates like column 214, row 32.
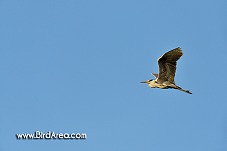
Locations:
column 75, row 66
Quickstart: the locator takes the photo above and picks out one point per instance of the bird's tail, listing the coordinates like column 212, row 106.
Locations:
column 179, row 88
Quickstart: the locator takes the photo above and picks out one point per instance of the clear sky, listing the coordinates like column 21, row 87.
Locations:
column 74, row 66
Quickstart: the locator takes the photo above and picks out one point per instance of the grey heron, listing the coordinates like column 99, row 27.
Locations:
column 167, row 69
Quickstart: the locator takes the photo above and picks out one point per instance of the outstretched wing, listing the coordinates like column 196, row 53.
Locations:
column 167, row 65
column 155, row 75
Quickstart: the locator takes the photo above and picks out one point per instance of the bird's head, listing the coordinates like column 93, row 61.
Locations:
column 150, row 82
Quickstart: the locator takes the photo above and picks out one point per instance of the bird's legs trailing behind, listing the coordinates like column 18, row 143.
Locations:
column 179, row 88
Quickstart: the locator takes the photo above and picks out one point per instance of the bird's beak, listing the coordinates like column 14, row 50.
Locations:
column 143, row 82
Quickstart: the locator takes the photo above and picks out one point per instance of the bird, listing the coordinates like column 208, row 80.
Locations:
column 167, row 69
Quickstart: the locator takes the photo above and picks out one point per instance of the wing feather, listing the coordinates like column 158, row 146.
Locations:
column 167, row 65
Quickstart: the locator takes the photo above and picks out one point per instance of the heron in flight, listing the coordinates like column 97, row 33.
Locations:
column 167, row 68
